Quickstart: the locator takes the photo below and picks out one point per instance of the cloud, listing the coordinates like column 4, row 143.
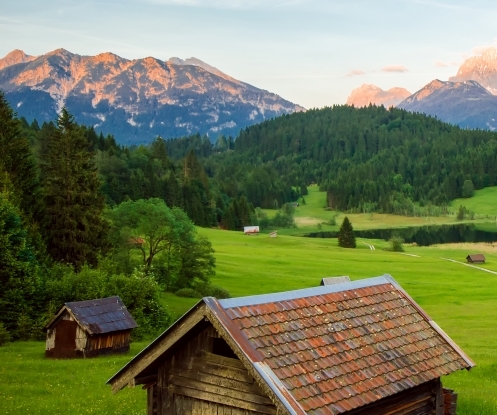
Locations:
column 440, row 64
column 480, row 50
column 394, row 68
column 356, row 72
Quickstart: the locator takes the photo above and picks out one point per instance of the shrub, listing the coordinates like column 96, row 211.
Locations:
column 188, row 293
column 218, row 292
column 396, row 244
column 4, row 335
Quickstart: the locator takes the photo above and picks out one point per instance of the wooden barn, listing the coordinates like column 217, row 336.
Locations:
column 89, row 328
column 476, row 259
column 356, row 348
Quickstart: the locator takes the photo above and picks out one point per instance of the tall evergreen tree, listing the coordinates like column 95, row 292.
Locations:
column 346, row 237
column 74, row 226
column 17, row 161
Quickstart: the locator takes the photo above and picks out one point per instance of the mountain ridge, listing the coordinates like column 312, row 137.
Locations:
column 371, row 94
column 139, row 99
column 467, row 103
column 481, row 68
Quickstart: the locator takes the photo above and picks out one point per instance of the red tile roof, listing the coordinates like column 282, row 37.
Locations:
column 322, row 350
column 336, row 348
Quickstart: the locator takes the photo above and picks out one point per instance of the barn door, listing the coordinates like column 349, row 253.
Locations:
column 65, row 339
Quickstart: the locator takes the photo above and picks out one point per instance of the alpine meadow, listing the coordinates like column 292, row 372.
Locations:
column 161, row 225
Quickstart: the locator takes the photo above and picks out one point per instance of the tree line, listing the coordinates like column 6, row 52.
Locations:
column 65, row 239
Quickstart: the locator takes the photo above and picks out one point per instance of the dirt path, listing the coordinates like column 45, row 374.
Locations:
column 370, row 246
column 469, row 265
column 403, row 253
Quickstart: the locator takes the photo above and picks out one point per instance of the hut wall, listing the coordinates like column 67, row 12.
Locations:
column 66, row 339
column 107, row 343
column 425, row 399
column 194, row 380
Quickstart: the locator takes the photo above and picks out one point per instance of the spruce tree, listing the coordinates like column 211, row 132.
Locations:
column 346, row 238
column 16, row 161
column 74, row 227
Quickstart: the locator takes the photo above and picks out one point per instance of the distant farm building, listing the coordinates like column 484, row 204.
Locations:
column 362, row 347
column 250, row 230
column 89, row 328
column 273, row 234
column 295, row 204
column 334, row 280
column 476, row 258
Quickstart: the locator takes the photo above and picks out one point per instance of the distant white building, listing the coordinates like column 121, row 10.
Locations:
column 250, row 230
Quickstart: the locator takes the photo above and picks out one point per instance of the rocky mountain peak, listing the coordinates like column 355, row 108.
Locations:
column 481, row 68
column 201, row 64
column 371, row 94
column 465, row 103
column 15, row 57
column 136, row 100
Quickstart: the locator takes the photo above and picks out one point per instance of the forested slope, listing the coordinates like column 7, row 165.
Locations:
column 373, row 158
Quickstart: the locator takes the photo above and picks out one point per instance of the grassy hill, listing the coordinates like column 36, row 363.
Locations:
column 462, row 300
column 484, row 202
column 312, row 216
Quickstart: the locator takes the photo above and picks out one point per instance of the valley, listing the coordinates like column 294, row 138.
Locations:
column 459, row 298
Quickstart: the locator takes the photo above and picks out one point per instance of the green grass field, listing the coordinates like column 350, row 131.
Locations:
column 484, row 202
column 462, row 300
column 312, row 215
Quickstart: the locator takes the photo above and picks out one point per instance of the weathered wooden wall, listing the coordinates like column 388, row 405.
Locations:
column 65, row 339
column 107, row 343
column 195, row 381
column 425, row 399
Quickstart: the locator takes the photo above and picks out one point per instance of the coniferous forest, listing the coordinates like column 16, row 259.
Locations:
column 75, row 206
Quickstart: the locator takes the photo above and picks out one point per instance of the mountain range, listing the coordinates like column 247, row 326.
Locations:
column 135, row 100
column 368, row 93
column 468, row 99
column 467, row 103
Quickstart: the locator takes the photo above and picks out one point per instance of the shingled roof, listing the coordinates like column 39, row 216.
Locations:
column 98, row 316
column 324, row 350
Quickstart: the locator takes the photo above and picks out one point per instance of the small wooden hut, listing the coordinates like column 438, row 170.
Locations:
column 476, row 258
column 251, row 230
column 89, row 328
column 335, row 280
column 362, row 347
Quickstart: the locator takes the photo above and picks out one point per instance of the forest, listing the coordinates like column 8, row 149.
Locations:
column 76, row 208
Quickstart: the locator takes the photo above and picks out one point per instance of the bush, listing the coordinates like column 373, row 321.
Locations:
column 218, row 292
column 188, row 293
column 396, row 244
column 4, row 335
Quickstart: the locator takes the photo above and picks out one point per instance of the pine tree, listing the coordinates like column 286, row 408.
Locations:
column 16, row 160
column 346, row 238
column 74, row 227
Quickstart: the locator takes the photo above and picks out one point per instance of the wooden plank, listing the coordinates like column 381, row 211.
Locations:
column 221, row 360
column 224, row 371
column 219, row 381
column 219, row 390
column 224, row 400
column 146, row 379
column 150, row 401
column 169, row 338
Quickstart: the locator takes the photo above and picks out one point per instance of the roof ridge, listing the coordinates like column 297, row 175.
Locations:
column 305, row 292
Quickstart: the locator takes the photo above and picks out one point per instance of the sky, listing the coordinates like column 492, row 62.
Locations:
column 310, row 52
